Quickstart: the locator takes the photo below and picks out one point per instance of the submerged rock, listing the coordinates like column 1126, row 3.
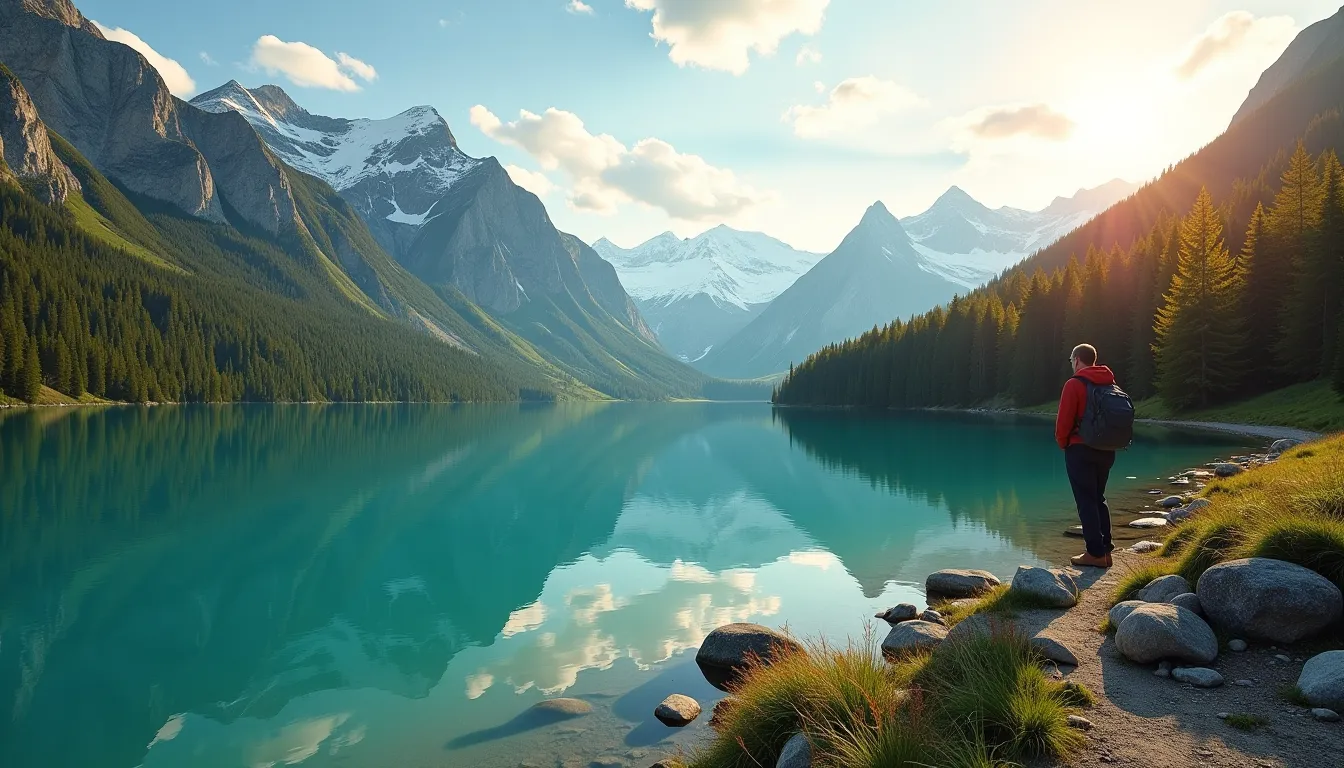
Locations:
column 562, row 709
column 1272, row 600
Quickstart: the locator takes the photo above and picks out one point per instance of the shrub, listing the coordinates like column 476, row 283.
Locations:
column 1243, row 722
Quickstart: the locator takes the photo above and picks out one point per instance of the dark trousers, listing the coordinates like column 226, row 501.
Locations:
column 1089, row 469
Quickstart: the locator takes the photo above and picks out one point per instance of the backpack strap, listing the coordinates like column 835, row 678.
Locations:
column 1087, row 394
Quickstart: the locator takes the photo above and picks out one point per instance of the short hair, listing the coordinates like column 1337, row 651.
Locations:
column 1086, row 354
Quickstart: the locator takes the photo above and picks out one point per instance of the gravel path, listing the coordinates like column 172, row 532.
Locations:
column 1255, row 430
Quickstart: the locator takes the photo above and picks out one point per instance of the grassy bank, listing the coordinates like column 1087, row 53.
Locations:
column 1292, row 509
column 977, row 702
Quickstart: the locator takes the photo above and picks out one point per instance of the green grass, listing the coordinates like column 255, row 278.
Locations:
column 1244, row 722
column 978, row 702
column 1293, row 695
column 1000, row 601
column 1137, row 579
column 1313, row 406
column 97, row 226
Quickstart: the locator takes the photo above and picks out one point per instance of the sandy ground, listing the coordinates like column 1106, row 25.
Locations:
column 1144, row 720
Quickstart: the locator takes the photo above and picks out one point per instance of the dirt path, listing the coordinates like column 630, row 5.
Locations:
column 1255, row 430
column 1144, row 720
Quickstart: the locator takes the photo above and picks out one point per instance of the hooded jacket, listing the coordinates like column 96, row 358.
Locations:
column 1073, row 401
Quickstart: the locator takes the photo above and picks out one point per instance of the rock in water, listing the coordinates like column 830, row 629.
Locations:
column 797, row 753
column 726, row 650
column 1050, row 586
column 911, row 636
column 1190, row 602
column 561, row 709
column 1322, row 680
column 959, row 582
column 1228, row 470
column 1171, row 502
column 1156, row 631
column 1200, row 677
column 1272, row 600
column 898, row 613
column 933, row 617
column 1076, row 530
column 1120, row 611
column 1148, row 522
column 1163, row 588
column 677, row 710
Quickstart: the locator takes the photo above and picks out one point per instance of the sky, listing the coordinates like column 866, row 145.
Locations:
column 634, row 117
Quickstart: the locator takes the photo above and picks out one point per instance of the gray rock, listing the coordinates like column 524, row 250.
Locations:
column 1161, row 631
column 677, row 710
column 1081, row 723
column 1325, row 715
column 1148, row 522
column 958, row 582
column 1285, row 658
column 912, row 636
column 898, row 613
column 1076, row 531
column 933, row 617
column 797, row 753
column 1245, row 683
column 1322, row 680
column 25, row 146
column 1197, row 504
column 562, row 709
column 1120, row 611
column 1050, row 586
column 1144, row 547
column 726, row 651
column 1171, row 502
column 1286, row 444
column 1054, row 650
column 975, row 625
column 1227, row 470
column 1265, row 599
column 1188, row 601
column 1236, row 646
column 1200, row 677
column 1163, row 589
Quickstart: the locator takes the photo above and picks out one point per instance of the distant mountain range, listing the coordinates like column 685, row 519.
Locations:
column 712, row 299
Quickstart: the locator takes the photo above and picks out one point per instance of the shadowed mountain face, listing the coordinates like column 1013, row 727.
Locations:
column 1315, row 47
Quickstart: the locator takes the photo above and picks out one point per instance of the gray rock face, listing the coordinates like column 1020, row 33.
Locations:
column 797, row 753
column 912, row 636
column 898, row 613
column 1264, row 599
column 1322, row 680
column 1190, row 602
column 726, row 650
column 957, row 582
column 1163, row 589
column 1228, row 470
column 1157, row 631
column 1052, row 587
column 248, row 177
column 677, row 710
column 1200, row 677
column 1120, row 611
column 25, row 146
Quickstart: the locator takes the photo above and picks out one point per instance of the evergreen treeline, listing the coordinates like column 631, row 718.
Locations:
column 1177, row 314
column 81, row 316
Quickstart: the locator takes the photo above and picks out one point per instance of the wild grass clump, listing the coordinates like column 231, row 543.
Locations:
column 1000, row 601
column 1129, row 586
column 1294, row 695
column 973, row 703
column 1244, row 722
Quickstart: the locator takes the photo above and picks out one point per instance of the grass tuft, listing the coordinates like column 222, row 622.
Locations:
column 1129, row 586
column 1244, row 722
column 1293, row 695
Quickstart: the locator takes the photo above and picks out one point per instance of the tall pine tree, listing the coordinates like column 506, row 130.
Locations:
column 1198, row 330
column 1293, row 221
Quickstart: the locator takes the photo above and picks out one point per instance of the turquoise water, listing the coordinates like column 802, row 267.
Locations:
column 395, row 585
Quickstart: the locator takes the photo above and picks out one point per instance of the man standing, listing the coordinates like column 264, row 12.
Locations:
column 1095, row 419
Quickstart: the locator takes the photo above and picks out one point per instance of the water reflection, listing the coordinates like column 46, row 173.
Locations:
column 363, row 584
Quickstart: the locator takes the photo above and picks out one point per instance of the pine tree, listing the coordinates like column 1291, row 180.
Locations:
column 1293, row 221
column 30, row 378
column 1198, row 329
column 1329, row 265
column 3, row 344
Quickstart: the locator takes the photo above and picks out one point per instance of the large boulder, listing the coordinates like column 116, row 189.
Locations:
column 913, row 636
column 960, row 582
column 1053, row 650
column 1120, row 611
column 1286, row 444
column 1322, row 680
column 1190, row 602
column 677, row 710
column 797, row 753
column 1049, row 586
column 1163, row 588
column 1272, row 600
column 1228, row 470
column 727, row 650
column 1158, row 631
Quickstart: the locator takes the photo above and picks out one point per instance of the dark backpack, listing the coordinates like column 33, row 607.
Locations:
column 1107, row 423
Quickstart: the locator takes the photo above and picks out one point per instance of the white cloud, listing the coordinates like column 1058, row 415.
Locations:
column 808, row 54
column 1234, row 34
column 173, row 74
column 607, row 174
column 536, row 183
column 444, row 22
column 1036, row 120
column 578, row 6
column 308, row 67
column 719, row 34
column 208, row 60
column 856, row 103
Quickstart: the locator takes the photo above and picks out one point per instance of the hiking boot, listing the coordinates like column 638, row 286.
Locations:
column 1091, row 560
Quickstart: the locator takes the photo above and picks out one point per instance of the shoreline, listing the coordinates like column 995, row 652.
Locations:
column 1251, row 430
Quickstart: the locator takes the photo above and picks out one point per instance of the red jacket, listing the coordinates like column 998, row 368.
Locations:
column 1073, row 400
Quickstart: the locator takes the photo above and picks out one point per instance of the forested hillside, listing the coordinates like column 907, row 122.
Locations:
column 1223, row 278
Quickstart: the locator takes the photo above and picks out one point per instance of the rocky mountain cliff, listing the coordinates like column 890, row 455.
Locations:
column 1314, row 47
column 25, row 148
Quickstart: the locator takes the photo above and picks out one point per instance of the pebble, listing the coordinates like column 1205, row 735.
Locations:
column 1283, row 658
column 1083, row 724
column 1200, row 677
column 1320, row 713
column 1236, row 645
column 1245, row 683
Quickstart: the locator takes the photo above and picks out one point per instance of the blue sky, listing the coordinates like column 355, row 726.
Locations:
column 788, row 116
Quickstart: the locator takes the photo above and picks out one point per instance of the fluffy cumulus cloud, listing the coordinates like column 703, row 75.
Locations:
column 855, row 104
column 1233, row 34
column 578, row 6
column 607, row 173
column 308, row 67
column 173, row 73
column 720, row 34
column 1036, row 120
column 536, row 183
column 808, row 54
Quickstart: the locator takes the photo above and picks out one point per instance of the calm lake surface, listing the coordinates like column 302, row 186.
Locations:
column 379, row 586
